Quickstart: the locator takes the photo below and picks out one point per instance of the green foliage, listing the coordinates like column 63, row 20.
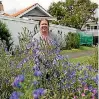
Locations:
column 94, row 59
column 73, row 13
column 5, row 35
column 9, row 63
column 24, row 37
column 55, row 69
column 72, row 41
column 5, row 73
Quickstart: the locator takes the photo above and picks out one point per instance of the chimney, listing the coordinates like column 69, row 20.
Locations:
column 1, row 6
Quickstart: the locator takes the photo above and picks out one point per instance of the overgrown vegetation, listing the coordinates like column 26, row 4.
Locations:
column 73, row 13
column 93, row 61
column 72, row 40
column 5, row 35
column 40, row 72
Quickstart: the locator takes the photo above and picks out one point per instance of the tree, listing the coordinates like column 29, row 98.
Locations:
column 5, row 35
column 73, row 13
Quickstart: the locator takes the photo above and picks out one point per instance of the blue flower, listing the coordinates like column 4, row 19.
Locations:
column 16, row 84
column 17, row 80
column 20, row 78
column 90, row 87
column 89, row 68
column 38, row 92
column 72, row 74
column 35, row 67
column 36, row 51
column 37, row 73
column 95, row 79
column 59, row 57
column 15, row 95
column 36, row 96
column 35, row 82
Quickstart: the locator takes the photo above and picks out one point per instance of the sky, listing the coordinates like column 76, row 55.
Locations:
column 12, row 6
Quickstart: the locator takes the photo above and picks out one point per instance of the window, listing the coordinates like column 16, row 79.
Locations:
column 95, row 27
column 91, row 27
column 88, row 27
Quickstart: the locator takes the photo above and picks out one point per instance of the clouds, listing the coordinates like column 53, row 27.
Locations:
column 15, row 5
column 95, row 1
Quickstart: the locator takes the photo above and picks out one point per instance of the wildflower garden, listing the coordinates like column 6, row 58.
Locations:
column 38, row 71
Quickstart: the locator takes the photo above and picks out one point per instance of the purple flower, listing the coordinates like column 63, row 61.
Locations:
column 17, row 80
column 36, row 60
column 35, row 82
column 20, row 78
column 16, row 84
column 89, row 68
column 59, row 57
column 23, row 61
column 90, row 87
column 94, row 91
column 37, row 73
column 95, row 79
column 72, row 74
column 35, row 67
column 53, row 42
column 57, row 51
column 39, row 92
column 83, row 83
column 15, row 95
column 36, row 96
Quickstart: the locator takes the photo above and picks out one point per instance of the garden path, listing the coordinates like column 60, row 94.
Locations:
column 80, row 54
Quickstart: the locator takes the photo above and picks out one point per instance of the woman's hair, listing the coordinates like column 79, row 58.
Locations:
column 42, row 20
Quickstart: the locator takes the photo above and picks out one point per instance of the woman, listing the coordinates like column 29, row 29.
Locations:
column 44, row 55
column 44, row 33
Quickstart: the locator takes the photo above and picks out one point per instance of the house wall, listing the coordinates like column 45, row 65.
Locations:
column 35, row 12
column 15, row 26
column 91, row 28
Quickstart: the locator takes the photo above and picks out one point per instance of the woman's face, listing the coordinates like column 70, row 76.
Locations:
column 44, row 26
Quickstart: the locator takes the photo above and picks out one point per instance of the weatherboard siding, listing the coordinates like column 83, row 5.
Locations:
column 35, row 12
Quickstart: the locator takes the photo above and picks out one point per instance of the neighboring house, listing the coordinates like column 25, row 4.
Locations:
column 33, row 12
column 93, row 26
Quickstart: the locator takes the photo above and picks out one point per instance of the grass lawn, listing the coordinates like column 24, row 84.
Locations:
column 82, row 60
column 82, row 48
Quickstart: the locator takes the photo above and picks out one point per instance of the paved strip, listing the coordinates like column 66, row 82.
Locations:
column 80, row 54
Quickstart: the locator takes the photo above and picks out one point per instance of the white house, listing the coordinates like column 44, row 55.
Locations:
column 33, row 12
column 92, row 26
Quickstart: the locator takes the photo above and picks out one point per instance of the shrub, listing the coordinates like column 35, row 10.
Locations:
column 48, row 75
column 8, row 64
column 39, row 72
column 93, row 60
column 72, row 41
column 5, row 72
column 5, row 35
